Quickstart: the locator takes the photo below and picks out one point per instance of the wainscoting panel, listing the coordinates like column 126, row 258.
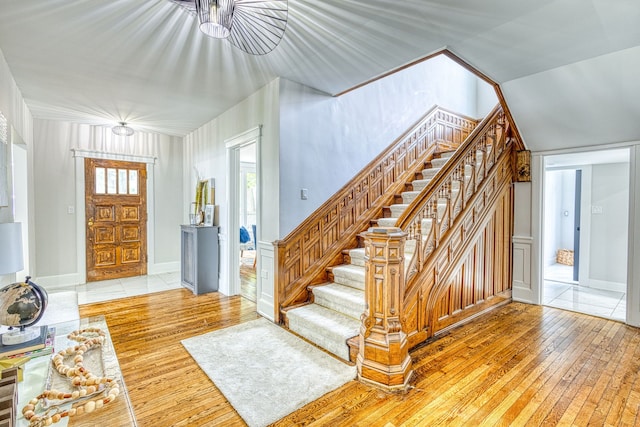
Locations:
column 266, row 266
column 522, row 289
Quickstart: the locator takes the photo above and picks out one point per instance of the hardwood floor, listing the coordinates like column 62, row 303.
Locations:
column 248, row 279
column 519, row 365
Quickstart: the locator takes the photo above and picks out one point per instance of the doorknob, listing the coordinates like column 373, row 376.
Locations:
column 90, row 222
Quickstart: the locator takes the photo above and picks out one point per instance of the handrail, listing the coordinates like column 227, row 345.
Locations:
column 305, row 253
column 440, row 203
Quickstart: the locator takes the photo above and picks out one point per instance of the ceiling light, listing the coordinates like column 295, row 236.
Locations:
column 122, row 130
column 253, row 26
column 215, row 17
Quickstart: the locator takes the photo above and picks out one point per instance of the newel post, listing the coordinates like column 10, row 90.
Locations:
column 383, row 355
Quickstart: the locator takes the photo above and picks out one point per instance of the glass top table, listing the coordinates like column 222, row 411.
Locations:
column 102, row 361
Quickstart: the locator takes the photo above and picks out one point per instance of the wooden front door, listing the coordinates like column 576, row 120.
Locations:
column 116, row 215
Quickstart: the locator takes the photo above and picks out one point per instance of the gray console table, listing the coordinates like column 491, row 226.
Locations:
column 199, row 258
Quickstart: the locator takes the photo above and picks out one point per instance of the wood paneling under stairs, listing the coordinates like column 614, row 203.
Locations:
column 518, row 365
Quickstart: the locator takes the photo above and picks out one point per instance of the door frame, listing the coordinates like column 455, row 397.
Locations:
column 538, row 183
column 233, row 146
column 119, row 202
column 79, row 156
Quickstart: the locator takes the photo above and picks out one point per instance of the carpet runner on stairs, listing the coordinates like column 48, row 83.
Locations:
column 334, row 315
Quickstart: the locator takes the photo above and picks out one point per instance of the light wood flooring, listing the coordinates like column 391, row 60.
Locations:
column 519, row 365
column 248, row 279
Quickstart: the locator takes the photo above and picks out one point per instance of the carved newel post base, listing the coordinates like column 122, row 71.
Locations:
column 383, row 355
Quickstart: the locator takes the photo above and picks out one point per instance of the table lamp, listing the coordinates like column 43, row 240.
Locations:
column 11, row 248
column 21, row 304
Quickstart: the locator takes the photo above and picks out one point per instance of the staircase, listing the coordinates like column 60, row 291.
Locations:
column 334, row 315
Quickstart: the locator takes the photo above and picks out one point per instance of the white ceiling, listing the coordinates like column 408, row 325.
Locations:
column 568, row 68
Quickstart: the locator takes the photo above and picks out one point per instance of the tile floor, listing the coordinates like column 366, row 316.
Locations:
column 560, row 291
column 120, row 288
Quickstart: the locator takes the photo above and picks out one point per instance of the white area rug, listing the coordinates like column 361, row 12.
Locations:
column 264, row 371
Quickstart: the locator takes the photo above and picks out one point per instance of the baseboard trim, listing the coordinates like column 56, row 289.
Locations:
column 165, row 267
column 607, row 286
column 60, row 281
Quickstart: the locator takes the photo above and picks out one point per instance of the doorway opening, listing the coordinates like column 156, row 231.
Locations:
column 585, row 232
column 248, row 222
column 243, row 219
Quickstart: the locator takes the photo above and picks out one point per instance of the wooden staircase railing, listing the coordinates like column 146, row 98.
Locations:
column 446, row 217
column 440, row 203
column 461, row 226
column 303, row 256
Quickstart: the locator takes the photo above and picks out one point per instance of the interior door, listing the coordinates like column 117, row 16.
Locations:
column 115, row 193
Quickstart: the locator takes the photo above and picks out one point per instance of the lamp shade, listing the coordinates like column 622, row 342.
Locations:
column 215, row 17
column 122, row 130
column 11, row 247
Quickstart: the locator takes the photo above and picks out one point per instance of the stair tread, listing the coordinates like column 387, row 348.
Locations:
column 390, row 222
column 343, row 299
column 326, row 318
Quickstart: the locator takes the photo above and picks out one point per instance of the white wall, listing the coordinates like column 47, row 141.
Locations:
column 57, row 251
column 205, row 152
column 609, row 191
column 551, row 208
column 486, row 99
column 20, row 127
column 12, row 103
column 559, row 199
column 325, row 141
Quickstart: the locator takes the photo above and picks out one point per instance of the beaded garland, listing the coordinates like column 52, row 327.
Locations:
column 94, row 391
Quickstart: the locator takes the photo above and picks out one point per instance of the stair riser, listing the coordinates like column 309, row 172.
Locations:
column 356, row 256
column 409, row 196
column 429, row 173
column 330, row 333
column 348, row 281
column 357, row 261
column 397, row 210
column 419, row 185
column 387, row 222
column 349, row 277
column 333, row 343
column 438, row 163
column 341, row 306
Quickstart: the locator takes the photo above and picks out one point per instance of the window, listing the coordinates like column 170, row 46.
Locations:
column 116, row 181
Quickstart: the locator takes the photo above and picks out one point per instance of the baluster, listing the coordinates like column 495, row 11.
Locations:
column 458, row 177
column 445, row 193
column 417, row 225
column 483, row 161
column 469, row 188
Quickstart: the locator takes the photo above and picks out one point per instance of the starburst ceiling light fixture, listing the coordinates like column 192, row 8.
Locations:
column 122, row 129
column 253, row 26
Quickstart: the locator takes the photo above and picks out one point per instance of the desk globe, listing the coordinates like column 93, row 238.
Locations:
column 22, row 305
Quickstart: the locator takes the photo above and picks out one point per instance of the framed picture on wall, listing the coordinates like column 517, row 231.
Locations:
column 208, row 215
